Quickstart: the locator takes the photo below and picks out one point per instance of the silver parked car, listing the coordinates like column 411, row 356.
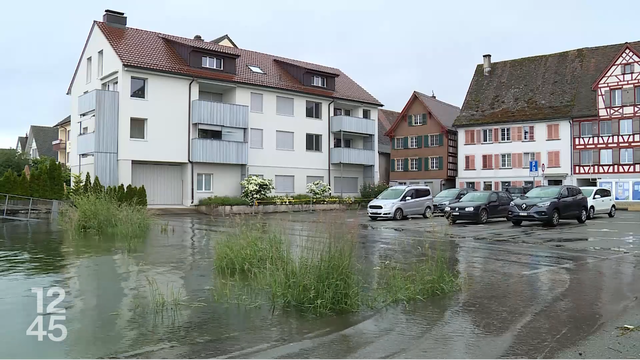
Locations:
column 398, row 202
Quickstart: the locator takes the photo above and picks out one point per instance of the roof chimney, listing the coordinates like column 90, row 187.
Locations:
column 487, row 64
column 114, row 18
column 198, row 38
column 433, row 94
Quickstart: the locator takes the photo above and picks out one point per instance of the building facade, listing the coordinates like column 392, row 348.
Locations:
column 385, row 119
column 424, row 144
column 190, row 119
column 62, row 145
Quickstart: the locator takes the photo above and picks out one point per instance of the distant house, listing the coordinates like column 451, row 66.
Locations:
column 62, row 144
column 22, row 143
column 39, row 142
column 385, row 119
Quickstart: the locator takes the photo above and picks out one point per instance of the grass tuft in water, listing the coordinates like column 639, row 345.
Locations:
column 160, row 301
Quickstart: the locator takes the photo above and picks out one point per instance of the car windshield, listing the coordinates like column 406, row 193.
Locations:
column 475, row 197
column 587, row 192
column 447, row 194
column 544, row 192
column 391, row 194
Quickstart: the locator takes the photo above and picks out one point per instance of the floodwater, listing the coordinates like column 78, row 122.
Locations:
column 518, row 300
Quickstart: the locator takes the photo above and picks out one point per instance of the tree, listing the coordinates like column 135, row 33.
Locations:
column 11, row 160
column 86, row 186
column 97, row 187
column 255, row 188
column 130, row 194
column 24, row 185
column 9, row 182
column 54, row 180
column 142, row 196
column 120, row 194
column 77, row 185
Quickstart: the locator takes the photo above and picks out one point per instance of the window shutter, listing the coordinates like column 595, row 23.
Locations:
column 477, row 185
column 636, row 155
column 576, row 157
column 636, row 125
column 538, row 157
column 532, row 136
column 607, row 98
column 461, row 184
column 441, row 139
column 393, row 143
column 496, row 135
column 440, row 163
column 424, row 119
column 426, row 164
column 426, row 141
column 627, row 96
column 410, row 120
column 419, row 138
column 615, row 154
column 496, row 185
column 614, row 127
column 405, row 142
column 549, row 131
column 576, row 129
column 393, row 164
column 419, row 163
column 596, row 157
column 406, row 164
column 496, row 161
column 538, row 182
column 472, row 162
column 514, row 133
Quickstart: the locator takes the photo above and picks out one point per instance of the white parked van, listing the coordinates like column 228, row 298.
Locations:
column 601, row 201
column 398, row 202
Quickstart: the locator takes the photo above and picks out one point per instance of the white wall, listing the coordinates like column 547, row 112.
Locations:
column 541, row 145
column 226, row 180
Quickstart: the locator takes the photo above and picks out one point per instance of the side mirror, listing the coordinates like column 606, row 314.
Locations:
column 597, row 197
column 407, row 198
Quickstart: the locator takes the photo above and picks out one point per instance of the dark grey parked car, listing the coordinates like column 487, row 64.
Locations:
column 448, row 197
column 549, row 204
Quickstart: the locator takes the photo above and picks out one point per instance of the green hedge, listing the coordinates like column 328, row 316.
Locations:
column 371, row 191
column 223, row 201
column 46, row 180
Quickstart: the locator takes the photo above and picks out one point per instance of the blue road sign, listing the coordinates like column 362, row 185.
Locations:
column 533, row 168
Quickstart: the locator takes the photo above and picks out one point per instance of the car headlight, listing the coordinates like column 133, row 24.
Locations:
column 444, row 203
column 512, row 204
column 447, row 209
column 544, row 204
column 468, row 209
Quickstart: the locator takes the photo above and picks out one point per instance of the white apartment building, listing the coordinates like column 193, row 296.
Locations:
column 189, row 119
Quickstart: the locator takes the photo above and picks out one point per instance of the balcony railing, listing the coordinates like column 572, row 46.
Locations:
column 219, row 151
column 86, row 143
column 353, row 156
column 353, row 125
column 59, row 144
column 215, row 113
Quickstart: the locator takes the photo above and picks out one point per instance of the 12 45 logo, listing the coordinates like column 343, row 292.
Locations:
column 37, row 326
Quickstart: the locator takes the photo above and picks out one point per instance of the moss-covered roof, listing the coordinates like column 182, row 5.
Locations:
column 537, row 88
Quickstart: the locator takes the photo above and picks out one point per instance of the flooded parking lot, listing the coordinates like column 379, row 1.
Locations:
column 528, row 291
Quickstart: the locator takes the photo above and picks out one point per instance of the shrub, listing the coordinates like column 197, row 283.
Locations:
column 142, row 196
column 255, row 188
column 371, row 191
column 97, row 187
column 223, row 201
column 86, row 185
column 318, row 190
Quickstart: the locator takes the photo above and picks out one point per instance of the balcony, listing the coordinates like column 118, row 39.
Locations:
column 221, row 114
column 106, row 99
column 353, row 156
column 86, row 143
column 352, row 124
column 219, row 151
column 59, row 145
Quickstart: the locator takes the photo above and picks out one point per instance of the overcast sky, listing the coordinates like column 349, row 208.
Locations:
column 390, row 47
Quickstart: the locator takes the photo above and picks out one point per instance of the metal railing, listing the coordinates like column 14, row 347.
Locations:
column 16, row 207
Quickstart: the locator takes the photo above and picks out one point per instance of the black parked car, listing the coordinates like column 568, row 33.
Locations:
column 479, row 206
column 516, row 191
column 448, row 197
column 549, row 204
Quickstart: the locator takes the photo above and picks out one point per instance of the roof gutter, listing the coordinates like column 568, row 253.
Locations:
column 329, row 140
column 189, row 140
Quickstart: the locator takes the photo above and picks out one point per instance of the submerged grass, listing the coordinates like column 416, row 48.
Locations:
column 319, row 272
column 160, row 301
column 102, row 214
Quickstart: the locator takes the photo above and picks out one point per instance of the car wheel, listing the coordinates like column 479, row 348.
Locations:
column 398, row 215
column 428, row 213
column 483, row 217
column 583, row 216
column 452, row 220
column 516, row 222
column 612, row 211
column 592, row 213
column 374, row 218
column 555, row 218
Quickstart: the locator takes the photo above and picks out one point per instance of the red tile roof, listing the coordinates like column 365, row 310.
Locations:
column 153, row 51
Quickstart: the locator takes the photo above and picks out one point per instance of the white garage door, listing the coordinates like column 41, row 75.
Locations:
column 163, row 183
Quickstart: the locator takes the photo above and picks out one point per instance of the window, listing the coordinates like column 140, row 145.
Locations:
column 417, row 119
column 138, row 88
column 487, row 135
column 626, row 156
column 312, row 179
column 85, row 130
column 138, row 129
column 434, row 163
column 399, row 143
column 505, row 161
column 34, row 153
column 256, row 138
column 209, row 134
column 284, row 184
column 89, row 69
column 604, row 193
column 204, row 182
column 605, row 128
column 68, row 156
column 528, row 133
column 422, row 193
column 284, row 106
column 487, row 161
column 255, row 69
column 338, row 112
column 284, row 140
column 434, row 140
column 413, row 142
column 68, row 135
column 638, row 95
column 616, row 97
column 469, row 162
column 337, row 142
column 111, row 85
column 319, row 81
column 366, row 113
column 212, row 62
column 345, row 185
column 314, row 142
column 606, row 156
column 314, row 110
column 553, row 132
column 232, row 134
column 256, row 102
column 586, row 157
column 469, row 137
column 626, row 126
column 486, row 186
column 413, row 164
column 627, row 69
column 504, row 185
column 505, row 134
column 399, row 164
column 586, row 129
column 470, row 185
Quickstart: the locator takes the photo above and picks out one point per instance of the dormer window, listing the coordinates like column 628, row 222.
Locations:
column 212, row 62
column 319, row 81
column 255, row 69
column 627, row 69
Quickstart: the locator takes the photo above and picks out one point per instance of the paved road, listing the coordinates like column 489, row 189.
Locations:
column 530, row 291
